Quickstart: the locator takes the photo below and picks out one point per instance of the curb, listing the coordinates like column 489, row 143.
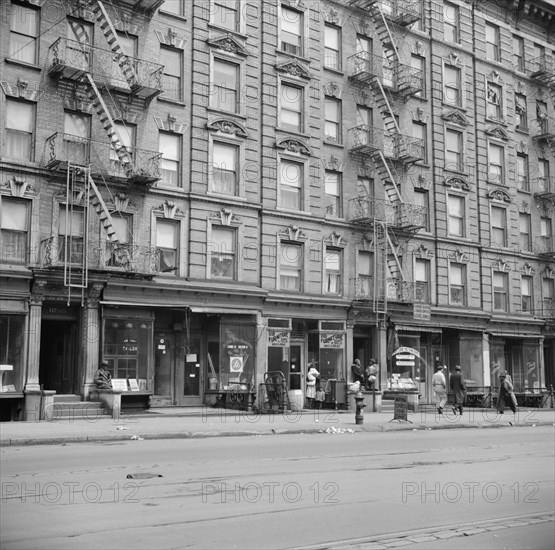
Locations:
column 272, row 431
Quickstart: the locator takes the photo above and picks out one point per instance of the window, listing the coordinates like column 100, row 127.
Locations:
column 418, row 66
column 451, row 23
column 332, row 47
column 332, row 126
column 126, row 133
column 77, row 133
column 452, row 92
column 522, row 173
column 120, row 253
column 492, row 42
column 225, row 86
column 80, row 39
column 365, row 266
column 291, row 108
column 364, row 116
column 546, row 235
column 332, row 271
column 222, row 262
column 456, row 215
column 14, row 227
column 225, row 166
column 173, row 63
column 388, row 67
column 365, row 187
column 363, row 58
column 166, row 246
column 225, row 13
column 498, row 226
column 422, row 199
column 291, row 33
column 538, row 58
column 129, row 46
column 419, row 131
column 526, row 293
column 20, row 127
column 525, row 238
column 291, row 185
column 170, row 147
column 494, row 105
column 332, row 199
column 173, row 6
column 500, row 290
column 518, row 53
column 71, row 229
column 521, row 112
column 548, row 293
column 453, row 150
column 422, row 279
column 541, row 117
column 544, row 181
column 457, row 284
column 363, row 45
column 24, row 30
column 290, row 266
column 496, row 156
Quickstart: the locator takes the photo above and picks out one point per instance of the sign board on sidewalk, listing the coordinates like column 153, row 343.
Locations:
column 400, row 408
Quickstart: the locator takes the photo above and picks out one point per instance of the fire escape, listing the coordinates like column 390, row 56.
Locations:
column 101, row 73
column 387, row 221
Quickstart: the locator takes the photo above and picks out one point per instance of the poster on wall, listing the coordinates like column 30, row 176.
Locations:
column 331, row 340
column 236, row 365
column 278, row 338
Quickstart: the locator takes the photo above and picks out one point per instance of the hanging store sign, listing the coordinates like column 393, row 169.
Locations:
column 405, row 357
column 332, row 340
column 278, row 337
column 422, row 312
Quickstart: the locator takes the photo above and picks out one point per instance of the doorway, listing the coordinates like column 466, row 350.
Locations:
column 58, row 356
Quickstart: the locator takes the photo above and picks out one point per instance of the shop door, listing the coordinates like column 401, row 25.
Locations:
column 58, row 358
column 190, row 376
column 164, row 369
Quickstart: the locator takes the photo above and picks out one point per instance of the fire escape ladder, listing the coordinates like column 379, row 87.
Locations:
column 107, row 122
column 110, row 33
column 379, row 294
column 102, row 210
column 386, row 109
column 388, row 178
column 385, row 34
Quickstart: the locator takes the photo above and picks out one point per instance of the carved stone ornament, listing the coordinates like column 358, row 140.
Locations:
column 294, row 68
column 456, row 182
column 170, row 124
column 497, row 132
column 224, row 217
column 495, row 77
column 335, row 240
column 227, row 126
column 527, row 269
column 522, row 147
column 171, row 38
column 362, row 27
column 331, row 15
column 524, row 207
column 501, row 265
column 455, row 117
column 549, row 272
column 333, row 89
column 333, row 164
column 121, row 202
column 454, row 59
column 459, row 257
column 496, row 194
column 293, row 233
column 17, row 186
column 229, row 44
column 21, row 90
column 423, row 252
column 169, row 210
column 293, row 145
column 421, row 182
column 368, row 242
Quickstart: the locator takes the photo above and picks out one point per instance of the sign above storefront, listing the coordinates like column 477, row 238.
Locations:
column 278, row 337
column 332, row 340
column 422, row 312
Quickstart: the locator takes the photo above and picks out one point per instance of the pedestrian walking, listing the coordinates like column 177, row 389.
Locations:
column 506, row 394
column 311, row 378
column 458, row 387
column 440, row 388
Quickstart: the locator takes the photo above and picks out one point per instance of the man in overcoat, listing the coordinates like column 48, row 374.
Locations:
column 456, row 382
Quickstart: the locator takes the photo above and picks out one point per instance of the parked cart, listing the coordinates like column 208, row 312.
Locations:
column 272, row 393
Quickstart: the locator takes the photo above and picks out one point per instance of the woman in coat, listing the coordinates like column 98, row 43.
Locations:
column 506, row 394
column 311, row 378
column 456, row 383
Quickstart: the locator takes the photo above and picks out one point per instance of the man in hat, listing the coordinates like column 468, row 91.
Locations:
column 102, row 377
column 440, row 388
column 456, row 383
column 506, row 393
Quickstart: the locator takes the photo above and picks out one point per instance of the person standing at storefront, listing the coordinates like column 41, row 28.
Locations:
column 458, row 387
column 311, row 378
column 358, row 372
column 440, row 388
column 371, row 375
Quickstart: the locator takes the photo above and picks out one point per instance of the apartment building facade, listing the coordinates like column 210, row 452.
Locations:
column 203, row 191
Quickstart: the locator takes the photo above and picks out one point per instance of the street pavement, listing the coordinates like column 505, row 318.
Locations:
column 202, row 422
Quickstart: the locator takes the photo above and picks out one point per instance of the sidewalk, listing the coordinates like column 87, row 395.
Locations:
column 179, row 423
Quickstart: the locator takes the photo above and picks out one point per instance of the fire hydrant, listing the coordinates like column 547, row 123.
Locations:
column 359, row 403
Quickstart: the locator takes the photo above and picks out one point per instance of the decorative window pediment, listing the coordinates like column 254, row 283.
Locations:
column 549, row 272
column 495, row 77
column 170, row 124
column 229, row 44
column 293, row 233
column 21, row 90
column 421, row 182
column 18, row 187
column 423, row 252
column 497, row 132
column 456, row 182
column 335, row 240
column 496, row 194
column 293, row 145
column 76, row 197
column 418, row 48
column 522, row 147
column 527, row 269
column 297, row 4
column 333, row 164
column 169, row 210
column 362, row 97
column 362, row 27
column 524, row 207
column 333, row 89
column 227, row 126
column 420, row 115
column 294, row 68
column 454, row 59
column 331, row 15
column 122, row 203
column 459, row 257
column 368, row 242
column 170, row 38
column 224, row 217
column 501, row 265
column 455, row 117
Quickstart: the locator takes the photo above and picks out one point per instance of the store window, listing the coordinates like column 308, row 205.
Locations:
column 127, row 347
column 326, row 348
column 12, row 344
column 14, row 230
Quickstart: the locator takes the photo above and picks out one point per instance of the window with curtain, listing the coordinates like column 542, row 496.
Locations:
column 290, row 185
column 223, row 253
column 365, row 269
column 225, row 158
column 14, row 228
column 332, row 271
column 24, row 32
column 494, row 101
column 290, row 266
column 173, row 72
column 225, row 13
column 71, row 231
column 332, row 198
column 20, row 127
column 225, row 86
column 291, row 31
column 291, row 108
column 521, row 111
column 167, row 246
column 332, row 125
column 456, row 215
column 422, row 278
column 518, row 53
column 121, row 253
column 457, row 284
column 170, row 147
column 496, row 157
column 500, row 290
column 77, row 133
column 332, row 47
column 498, row 226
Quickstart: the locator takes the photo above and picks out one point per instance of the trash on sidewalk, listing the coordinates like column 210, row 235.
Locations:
column 334, row 430
column 143, row 475
column 137, row 438
column 122, row 427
